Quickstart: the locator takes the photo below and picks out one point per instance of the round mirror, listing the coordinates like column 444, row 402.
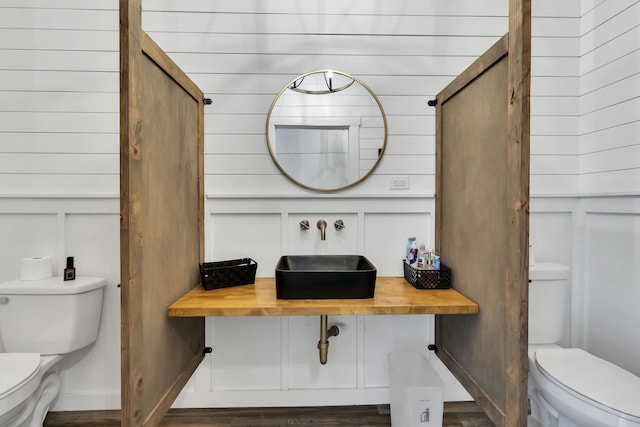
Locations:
column 326, row 130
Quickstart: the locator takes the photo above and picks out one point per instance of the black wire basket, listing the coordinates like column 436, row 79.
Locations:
column 224, row 274
column 428, row 279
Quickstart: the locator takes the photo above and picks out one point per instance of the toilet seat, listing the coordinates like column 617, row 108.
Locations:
column 19, row 377
column 591, row 379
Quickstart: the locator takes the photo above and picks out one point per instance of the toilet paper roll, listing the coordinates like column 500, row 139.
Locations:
column 36, row 268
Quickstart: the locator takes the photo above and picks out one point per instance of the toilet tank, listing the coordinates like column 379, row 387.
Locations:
column 548, row 289
column 50, row 316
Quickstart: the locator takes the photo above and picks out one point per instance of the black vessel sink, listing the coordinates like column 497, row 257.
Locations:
column 325, row 277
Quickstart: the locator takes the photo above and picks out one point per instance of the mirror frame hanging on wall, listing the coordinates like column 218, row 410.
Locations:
column 304, row 129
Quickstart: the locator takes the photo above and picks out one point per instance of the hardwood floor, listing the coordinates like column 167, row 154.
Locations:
column 456, row 414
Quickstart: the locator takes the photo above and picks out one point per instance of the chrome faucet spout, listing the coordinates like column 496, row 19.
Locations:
column 322, row 225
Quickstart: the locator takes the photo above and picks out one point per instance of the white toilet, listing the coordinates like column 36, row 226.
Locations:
column 40, row 322
column 569, row 387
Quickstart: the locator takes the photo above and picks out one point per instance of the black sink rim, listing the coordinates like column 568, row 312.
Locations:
column 325, row 283
column 362, row 263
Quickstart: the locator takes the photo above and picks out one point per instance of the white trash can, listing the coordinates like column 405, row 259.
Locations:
column 416, row 391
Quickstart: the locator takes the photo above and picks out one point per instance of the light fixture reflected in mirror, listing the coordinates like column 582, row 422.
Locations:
column 326, row 130
column 329, row 77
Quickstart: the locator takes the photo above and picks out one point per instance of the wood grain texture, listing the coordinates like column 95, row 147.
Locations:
column 482, row 214
column 479, row 66
column 517, row 198
column 393, row 295
column 473, row 231
column 162, row 219
column 131, row 333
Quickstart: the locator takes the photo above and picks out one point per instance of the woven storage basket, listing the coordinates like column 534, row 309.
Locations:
column 224, row 274
column 428, row 279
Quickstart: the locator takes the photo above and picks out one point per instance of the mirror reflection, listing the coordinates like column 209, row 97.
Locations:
column 326, row 130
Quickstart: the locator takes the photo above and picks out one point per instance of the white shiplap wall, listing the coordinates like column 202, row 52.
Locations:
column 245, row 52
column 609, row 282
column 609, row 97
column 59, row 83
column 59, row 101
column 59, row 136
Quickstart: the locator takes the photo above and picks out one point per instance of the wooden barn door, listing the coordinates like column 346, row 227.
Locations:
column 482, row 221
column 162, row 241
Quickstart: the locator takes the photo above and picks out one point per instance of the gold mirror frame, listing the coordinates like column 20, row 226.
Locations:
column 291, row 85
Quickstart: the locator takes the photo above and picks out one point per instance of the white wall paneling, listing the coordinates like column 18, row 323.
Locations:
column 610, row 108
column 92, row 238
column 304, row 369
column 612, row 279
column 240, row 235
column 59, row 183
column 308, row 242
column 256, row 361
column 609, row 165
column 554, row 235
column 61, row 65
column 247, row 353
column 88, row 230
column 384, row 334
column 30, row 234
column 269, row 359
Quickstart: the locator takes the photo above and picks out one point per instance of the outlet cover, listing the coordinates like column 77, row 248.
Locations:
column 399, row 182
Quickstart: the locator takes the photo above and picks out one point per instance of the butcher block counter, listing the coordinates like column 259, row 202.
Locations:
column 393, row 295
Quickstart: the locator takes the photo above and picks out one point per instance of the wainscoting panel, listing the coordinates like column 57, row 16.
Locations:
column 337, row 241
column 27, row 235
column 386, row 237
column 553, row 233
column 384, row 334
column 247, row 353
column 93, row 240
column 274, row 361
column 266, row 361
column 245, row 234
column 612, row 280
column 304, row 368
column 87, row 229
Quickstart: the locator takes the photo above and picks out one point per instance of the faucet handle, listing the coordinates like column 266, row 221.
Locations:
column 304, row 224
column 339, row 224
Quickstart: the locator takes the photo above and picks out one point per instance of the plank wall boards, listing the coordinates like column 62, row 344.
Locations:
column 153, row 101
column 482, row 220
column 60, row 161
column 162, row 230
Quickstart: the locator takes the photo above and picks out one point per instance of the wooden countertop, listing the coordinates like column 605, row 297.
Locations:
column 393, row 295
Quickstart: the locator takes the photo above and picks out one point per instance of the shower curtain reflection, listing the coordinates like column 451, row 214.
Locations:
column 317, row 155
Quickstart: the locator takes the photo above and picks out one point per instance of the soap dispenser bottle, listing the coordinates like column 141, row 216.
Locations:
column 413, row 254
column 422, row 257
column 408, row 256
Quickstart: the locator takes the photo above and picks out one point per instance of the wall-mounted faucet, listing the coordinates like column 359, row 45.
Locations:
column 322, row 225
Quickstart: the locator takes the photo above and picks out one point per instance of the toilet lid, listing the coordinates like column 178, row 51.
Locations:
column 592, row 378
column 15, row 369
